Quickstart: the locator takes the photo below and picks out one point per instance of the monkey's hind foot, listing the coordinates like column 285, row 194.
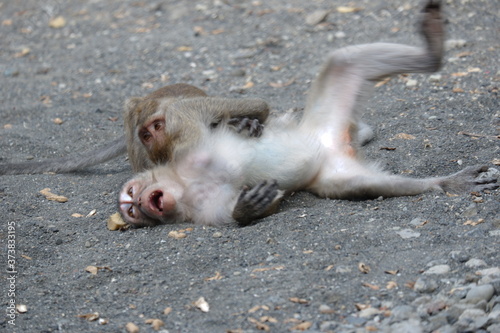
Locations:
column 471, row 179
column 432, row 29
column 256, row 202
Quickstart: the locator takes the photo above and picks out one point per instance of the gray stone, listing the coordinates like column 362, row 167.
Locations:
column 424, row 285
column 408, row 326
column 474, row 263
column 408, row 233
column 479, row 293
column 438, row 269
column 402, row 312
column 494, row 328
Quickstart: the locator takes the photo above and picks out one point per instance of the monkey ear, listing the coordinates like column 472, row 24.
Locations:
column 131, row 103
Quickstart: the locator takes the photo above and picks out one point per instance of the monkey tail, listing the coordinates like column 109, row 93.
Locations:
column 67, row 164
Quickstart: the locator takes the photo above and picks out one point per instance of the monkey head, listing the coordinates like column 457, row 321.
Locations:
column 146, row 201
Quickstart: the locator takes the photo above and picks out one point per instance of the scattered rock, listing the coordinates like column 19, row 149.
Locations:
column 479, row 293
column 438, row 269
column 424, row 285
column 474, row 263
column 408, row 233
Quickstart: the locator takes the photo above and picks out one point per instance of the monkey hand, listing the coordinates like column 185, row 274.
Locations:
column 256, row 202
column 471, row 179
column 254, row 126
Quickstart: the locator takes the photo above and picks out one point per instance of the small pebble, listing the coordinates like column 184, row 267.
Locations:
column 411, row 83
column 479, row 293
column 424, row 285
column 217, row 234
column 438, row 269
column 474, row 263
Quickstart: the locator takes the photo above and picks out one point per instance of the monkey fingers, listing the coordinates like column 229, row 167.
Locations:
column 253, row 203
column 254, row 127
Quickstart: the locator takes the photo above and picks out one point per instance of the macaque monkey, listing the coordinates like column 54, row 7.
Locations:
column 156, row 131
column 228, row 179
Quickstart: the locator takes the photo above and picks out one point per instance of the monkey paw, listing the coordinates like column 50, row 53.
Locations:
column 256, row 202
column 471, row 179
column 254, row 127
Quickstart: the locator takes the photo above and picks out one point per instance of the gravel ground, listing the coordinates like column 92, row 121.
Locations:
column 428, row 263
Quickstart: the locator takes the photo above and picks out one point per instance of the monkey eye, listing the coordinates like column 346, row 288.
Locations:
column 131, row 211
column 146, row 136
column 130, row 192
column 158, row 125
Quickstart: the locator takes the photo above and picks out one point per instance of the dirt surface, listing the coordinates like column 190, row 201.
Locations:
column 300, row 267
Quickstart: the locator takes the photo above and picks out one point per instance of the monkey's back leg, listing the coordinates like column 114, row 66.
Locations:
column 348, row 75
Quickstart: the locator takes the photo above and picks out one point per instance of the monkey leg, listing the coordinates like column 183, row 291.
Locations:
column 369, row 184
column 349, row 73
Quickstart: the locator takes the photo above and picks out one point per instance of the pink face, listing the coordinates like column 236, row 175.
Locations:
column 144, row 202
column 152, row 132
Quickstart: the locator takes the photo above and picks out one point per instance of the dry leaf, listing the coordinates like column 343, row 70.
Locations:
column 248, row 85
column 26, row 257
column 410, row 284
column 76, row 215
column 391, row 285
column 308, row 251
column 496, row 161
column 259, row 325
column 361, row 306
column 268, row 319
column 258, row 307
column 155, row 323
column 94, row 269
column 57, row 22
column 115, row 222
column 89, row 316
column 304, row 326
column 132, row 328
column 474, row 70
column 329, row 268
column 387, row 148
column 176, row 234
column 371, row 286
column 298, row 300
column 217, row 276
column 25, row 51
column 345, row 9
column 404, row 136
column 53, row 197
column 459, row 74
column 473, row 223
column 392, row 272
column 363, row 268
column 92, row 213
column 184, row 48
column 167, row 310
column 202, row 304
column 381, row 83
column 46, row 100
column 7, row 126
column 217, row 31
column 7, row 22
column 275, row 268
column 457, row 90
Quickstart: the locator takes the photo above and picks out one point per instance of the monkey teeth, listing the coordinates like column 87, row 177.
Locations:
column 156, row 201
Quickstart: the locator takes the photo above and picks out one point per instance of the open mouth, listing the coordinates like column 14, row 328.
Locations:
column 156, row 202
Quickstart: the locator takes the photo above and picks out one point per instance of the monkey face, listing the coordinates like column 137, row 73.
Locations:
column 143, row 201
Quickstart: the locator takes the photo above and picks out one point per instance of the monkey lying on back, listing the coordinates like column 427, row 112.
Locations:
column 156, row 129
column 228, row 179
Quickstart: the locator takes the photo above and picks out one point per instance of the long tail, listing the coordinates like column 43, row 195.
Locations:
column 67, row 164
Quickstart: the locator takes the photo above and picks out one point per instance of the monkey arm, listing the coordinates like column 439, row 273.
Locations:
column 258, row 202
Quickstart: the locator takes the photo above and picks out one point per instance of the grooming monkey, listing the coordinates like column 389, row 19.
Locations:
column 228, row 179
column 156, row 131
